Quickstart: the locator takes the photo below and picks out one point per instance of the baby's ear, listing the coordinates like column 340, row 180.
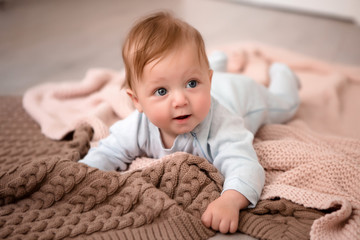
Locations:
column 134, row 99
column 210, row 74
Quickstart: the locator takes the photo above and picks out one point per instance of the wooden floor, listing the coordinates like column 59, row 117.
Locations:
column 57, row 40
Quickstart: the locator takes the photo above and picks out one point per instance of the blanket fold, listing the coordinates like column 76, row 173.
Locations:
column 278, row 219
column 97, row 100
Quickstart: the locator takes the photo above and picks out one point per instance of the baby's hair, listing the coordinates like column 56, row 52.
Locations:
column 152, row 38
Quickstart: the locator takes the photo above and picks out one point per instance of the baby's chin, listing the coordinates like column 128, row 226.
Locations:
column 185, row 131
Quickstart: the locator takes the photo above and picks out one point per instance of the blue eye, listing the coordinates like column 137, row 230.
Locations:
column 192, row 84
column 161, row 92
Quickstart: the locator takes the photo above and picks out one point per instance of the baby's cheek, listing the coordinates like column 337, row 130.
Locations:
column 158, row 118
column 203, row 106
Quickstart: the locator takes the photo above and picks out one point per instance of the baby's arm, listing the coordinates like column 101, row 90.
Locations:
column 233, row 154
column 223, row 213
column 120, row 148
column 242, row 175
column 107, row 156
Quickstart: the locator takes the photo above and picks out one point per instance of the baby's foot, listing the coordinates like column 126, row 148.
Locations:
column 277, row 68
column 237, row 61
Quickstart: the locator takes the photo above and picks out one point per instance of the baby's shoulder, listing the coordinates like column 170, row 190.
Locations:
column 220, row 111
column 135, row 123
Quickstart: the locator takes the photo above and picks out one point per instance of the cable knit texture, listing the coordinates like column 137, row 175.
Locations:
column 46, row 194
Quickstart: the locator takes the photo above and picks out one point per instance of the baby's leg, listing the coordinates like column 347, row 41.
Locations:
column 257, row 104
column 280, row 100
column 283, row 93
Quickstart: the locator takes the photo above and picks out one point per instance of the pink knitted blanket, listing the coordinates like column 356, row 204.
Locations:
column 97, row 100
column 316, row 171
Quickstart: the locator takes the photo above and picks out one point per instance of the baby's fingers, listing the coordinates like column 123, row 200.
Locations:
column 234, row 226
column 228, row 225
column 224, row 226
column 206, row 219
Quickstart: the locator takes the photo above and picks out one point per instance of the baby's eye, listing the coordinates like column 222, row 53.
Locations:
column 161, row 92
column 192, row 84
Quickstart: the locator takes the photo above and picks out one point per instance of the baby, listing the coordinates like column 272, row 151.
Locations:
column 182, row 105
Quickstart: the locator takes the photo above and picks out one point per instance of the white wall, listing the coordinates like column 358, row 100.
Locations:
column 346, row 9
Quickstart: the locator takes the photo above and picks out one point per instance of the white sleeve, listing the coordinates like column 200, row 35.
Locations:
column 121, row 147
column 234, row 156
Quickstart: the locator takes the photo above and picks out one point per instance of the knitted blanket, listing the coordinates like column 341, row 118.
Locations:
column 46, row 194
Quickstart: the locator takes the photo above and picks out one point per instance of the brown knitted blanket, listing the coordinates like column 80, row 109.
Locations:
column 46, row 194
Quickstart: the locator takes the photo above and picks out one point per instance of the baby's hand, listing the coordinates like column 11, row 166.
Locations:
column 223, row 213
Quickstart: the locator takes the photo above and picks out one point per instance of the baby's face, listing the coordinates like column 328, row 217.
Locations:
column 174, row 92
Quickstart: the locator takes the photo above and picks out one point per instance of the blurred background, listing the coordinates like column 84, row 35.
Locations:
column 58, row 40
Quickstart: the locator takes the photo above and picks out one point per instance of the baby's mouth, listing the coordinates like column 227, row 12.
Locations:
column 182, row 117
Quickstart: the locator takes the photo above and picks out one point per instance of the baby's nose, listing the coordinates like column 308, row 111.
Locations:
column 179, row 99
